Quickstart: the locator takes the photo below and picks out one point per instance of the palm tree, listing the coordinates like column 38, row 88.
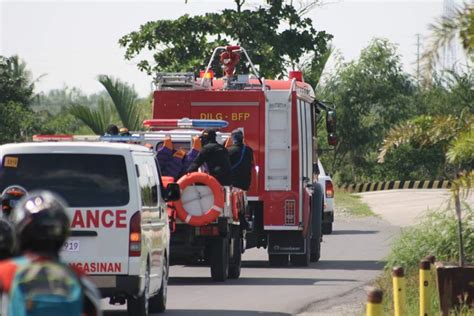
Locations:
column 458, row 133
column 124, row 104
column 96, row 120
column 124, row 99
column 444, row 31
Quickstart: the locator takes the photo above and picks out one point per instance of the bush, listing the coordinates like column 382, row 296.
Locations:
column 437, row 235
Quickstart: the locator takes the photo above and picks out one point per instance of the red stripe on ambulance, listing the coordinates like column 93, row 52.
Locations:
column 97, row 219
column 92, row 267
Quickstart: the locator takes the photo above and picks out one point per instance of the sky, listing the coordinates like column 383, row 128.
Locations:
column 69, row 43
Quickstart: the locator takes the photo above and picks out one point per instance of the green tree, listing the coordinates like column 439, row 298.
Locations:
column 124, row 108
column 17, row 123
column 96, row 119
column 16, row 93
column 275, row 35
column 124, row 99
column 16, row 84
column 371, row 94
column 446, row 30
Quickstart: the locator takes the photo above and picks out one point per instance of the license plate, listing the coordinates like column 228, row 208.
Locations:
column 72, row 245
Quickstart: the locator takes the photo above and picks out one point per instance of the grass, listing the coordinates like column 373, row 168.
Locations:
column 351, row 204
column 435, row 234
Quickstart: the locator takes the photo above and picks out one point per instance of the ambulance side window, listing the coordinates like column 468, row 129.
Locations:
column 147, row 182
column 153, row 173
column 160, row 180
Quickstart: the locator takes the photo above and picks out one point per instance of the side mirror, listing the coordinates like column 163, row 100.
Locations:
column 331, row 122
column 332, row 139
column 173, row 192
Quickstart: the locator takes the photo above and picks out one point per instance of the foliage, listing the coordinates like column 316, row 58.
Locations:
column 96, row 119
column 454, row 134
column 54, row 101
column 371, row 94
column 435, row 235
column 275, row 36
column 412, row 296
column 16, row 84
column 449, row 94
column 314, row 66
column 16, row 92
column 16, row 122
column 444, row 31
column 125, row 107
column 124, row 99
column 351, row 203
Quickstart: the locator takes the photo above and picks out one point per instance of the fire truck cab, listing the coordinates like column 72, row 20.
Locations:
column 278, row 118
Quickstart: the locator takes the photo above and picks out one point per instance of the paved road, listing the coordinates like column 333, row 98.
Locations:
column 403, row 207
column 334, row 286
column 351, row 258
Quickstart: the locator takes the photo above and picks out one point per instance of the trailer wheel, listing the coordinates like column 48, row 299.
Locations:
column 327, row 228
column 316, row 222
column 235, row 263
column 304, row 259
column 278, row 260
column 219, row 259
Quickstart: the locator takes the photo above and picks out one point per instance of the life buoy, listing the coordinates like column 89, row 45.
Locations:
column 210, row 195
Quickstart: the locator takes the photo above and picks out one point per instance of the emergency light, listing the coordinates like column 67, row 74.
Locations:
column 64, row 138
column 118, row 138
column 184, row 123
column 52, row 138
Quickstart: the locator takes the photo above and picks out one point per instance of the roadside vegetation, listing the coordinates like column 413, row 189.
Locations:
column 436, row 234
column 351, row 204
column 377, row 102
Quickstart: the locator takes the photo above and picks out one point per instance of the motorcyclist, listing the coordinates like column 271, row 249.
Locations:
column 48, row 286
column 10, row 196
column 215, row 156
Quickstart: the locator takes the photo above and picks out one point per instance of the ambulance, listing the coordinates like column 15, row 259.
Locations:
column 279, row 120
column 117, row 206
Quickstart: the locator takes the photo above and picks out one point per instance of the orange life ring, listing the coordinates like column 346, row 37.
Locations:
column 213, row 213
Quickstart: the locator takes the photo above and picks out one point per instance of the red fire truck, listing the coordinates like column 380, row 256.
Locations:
column 278, row 118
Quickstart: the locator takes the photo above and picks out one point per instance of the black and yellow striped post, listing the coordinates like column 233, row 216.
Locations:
column 399, row 290
column 425, row 287
column 374, row 302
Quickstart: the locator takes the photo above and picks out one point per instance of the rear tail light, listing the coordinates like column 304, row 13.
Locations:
column 135, row 237
column 290, row 212
column 329, row 189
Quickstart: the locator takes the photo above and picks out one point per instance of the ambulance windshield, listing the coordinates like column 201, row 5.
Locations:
column 83, row 180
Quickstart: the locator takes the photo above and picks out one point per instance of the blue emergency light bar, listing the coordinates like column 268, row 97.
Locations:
column 210, row 123
column 184, row 123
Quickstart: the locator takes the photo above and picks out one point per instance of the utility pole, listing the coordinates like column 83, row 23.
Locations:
column 418, row 45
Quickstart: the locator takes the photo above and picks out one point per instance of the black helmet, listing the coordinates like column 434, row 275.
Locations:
column 237, row 136
column 7, row 240
column 41, row 223
column 10, row 196
column 208, row 136
column 112, row 130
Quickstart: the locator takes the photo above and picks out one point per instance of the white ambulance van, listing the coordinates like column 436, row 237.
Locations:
column 117, row 206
